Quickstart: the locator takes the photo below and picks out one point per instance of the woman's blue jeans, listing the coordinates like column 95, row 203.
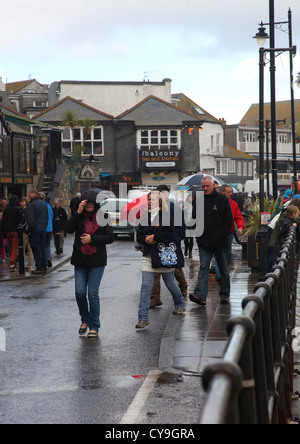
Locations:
column 147, row 284
column 87, row 284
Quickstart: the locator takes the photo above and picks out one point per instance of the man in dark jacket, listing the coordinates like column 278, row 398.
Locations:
column 218, row 221
column 37, row 221
column 60, row 220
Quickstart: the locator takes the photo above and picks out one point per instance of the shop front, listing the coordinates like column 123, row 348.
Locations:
column 16, row 167
column 160, row 166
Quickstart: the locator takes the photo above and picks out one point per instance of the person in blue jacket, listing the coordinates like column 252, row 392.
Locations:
column 49, row 231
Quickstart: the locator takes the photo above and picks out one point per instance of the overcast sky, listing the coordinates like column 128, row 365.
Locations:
column 205, row 47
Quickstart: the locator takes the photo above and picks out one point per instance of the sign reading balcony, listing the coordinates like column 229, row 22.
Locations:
column 159, row 158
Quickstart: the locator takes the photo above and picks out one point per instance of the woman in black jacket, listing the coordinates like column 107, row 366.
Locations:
column 90, row 259
column 156, row 229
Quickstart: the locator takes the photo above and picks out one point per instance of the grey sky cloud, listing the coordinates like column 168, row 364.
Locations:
column 205, row 47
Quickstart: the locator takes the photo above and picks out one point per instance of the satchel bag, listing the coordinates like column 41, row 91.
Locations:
column 167, row 255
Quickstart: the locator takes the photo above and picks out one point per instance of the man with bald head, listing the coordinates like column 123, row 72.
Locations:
column 218, row 221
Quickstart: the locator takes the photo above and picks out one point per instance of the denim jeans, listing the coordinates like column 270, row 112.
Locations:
column 38, row 245
column 87, row 284
column 147, row 284
column 230, row 240
column 206, row 255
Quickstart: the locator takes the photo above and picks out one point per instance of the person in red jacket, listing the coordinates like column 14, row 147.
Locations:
column 238, row 221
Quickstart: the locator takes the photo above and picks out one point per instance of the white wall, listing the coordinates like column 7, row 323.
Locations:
column 115, row 97
column 211, row 144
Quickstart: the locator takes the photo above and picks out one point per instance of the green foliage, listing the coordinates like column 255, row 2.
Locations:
column 253, row 223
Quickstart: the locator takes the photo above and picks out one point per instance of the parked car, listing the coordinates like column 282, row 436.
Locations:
column 114, row 207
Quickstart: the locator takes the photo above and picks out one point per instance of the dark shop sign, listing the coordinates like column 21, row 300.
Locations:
column 162, row 158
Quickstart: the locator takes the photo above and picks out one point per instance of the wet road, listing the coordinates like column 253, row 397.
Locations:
column 49, row 374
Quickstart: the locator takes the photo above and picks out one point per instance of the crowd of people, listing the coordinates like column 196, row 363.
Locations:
column 158, row 234
column 33, row 219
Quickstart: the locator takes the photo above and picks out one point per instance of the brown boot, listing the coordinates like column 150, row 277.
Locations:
column 155, row 302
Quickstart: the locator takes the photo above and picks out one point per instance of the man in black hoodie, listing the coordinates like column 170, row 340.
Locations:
column 218, row 221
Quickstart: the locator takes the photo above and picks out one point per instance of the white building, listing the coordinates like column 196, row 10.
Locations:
column 110, row 97
column 211, row 138
column 211, row 145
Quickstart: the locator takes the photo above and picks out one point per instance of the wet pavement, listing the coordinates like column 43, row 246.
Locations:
column 49, row 374
column 57, row 261
column 199, row 338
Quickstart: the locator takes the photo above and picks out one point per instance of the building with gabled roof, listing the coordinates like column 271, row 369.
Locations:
column 283, row 112
column 93, row 143
column 211, row 137
column 166, row 141
column 28, row 97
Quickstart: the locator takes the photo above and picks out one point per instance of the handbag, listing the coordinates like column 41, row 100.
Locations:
column 167, row 255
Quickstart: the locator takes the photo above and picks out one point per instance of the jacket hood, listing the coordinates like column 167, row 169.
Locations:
column 14, row 201
column 90, row 195
column 288, row 194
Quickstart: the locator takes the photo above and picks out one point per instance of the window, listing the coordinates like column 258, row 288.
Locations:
column 199, row 110
column 2, row 129
column 250, row 169
column 23, row 155
column 159, row 138
column 218, row 143
column 231, row 167
column 249, row 137
column 92, row 141
column 17, row 156
column 212, row 144
column 222, row 167
column 282, row 138
column 38, row 104
column 239, row 168
column 21, row 148
column 6, row 155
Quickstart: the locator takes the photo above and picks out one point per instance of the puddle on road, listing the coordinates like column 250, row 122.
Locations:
column 32, row 297
column 129, row 381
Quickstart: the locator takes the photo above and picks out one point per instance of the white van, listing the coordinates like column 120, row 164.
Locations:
column 253, row 185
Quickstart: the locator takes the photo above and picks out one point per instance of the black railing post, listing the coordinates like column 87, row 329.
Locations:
column 254, row 381
column 259, row 367
column 247, row 405
column 229, row 375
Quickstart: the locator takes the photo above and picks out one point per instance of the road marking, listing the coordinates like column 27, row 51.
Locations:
column 38, row 390
column 141, row 398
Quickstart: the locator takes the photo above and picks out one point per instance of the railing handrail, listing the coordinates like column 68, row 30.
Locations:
column 253, row 382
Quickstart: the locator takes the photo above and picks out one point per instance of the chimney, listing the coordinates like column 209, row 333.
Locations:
column 223, row 121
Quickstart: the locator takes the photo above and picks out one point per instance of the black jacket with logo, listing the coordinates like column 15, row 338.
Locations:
column 218, row 221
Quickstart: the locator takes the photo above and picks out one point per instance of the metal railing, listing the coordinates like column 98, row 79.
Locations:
column 253, row 384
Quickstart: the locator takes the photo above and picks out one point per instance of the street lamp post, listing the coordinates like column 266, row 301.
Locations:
column 261, row 37
column 262, row 232
column 293, row 118
column 273, row 100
